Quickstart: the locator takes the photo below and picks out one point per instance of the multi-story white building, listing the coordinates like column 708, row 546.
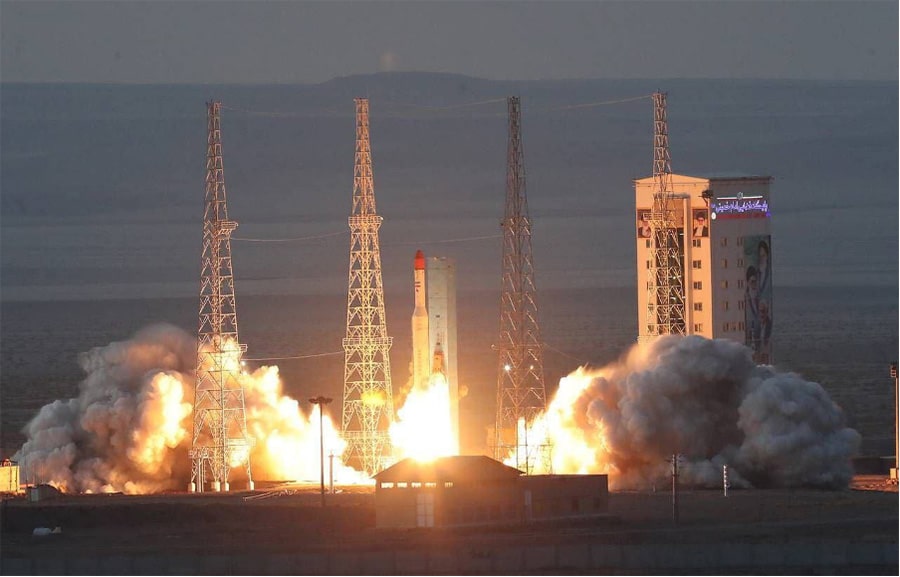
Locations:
column 440, row 283
column 724, row 231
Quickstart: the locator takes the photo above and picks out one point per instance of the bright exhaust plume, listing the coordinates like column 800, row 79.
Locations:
column 705, row 400
column 423, row 430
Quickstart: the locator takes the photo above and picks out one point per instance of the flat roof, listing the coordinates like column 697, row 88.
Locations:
column 717, row 176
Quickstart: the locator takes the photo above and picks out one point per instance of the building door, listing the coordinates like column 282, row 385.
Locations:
column 425, row 510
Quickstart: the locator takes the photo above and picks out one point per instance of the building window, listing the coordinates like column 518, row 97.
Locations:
column 698, row 328
column 724, row 241
column 698, row 306
column 431, row 485
column 740, row 263
column 724, row 284
column 740, row 305
column 448, row 484
column 697, row 263
column 725, row 327
column 415, row 485
column 647, row 243
column 724, row 263
column 696, row 243
column 740, row 241
column 648, row 264
column 387, row 485
column 401, row 485
column 740, row 283
column 698, row 285
column 725, row 305
column 741, row 326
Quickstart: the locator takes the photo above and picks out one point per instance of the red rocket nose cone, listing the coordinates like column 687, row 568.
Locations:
column 420, row 260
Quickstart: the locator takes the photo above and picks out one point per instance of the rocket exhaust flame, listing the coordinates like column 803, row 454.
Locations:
column 423, row 430
column 129, row 428
column 707, row 400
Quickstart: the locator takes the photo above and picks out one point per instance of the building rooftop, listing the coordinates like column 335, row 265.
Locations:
column 713, row 176
column 455, row 469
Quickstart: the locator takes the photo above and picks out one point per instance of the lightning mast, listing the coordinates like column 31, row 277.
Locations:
column 220, row 441
column 665, row 307
column 368, row 406
column 520, row 382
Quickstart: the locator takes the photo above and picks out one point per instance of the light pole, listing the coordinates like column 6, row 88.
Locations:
column 321, row 401
column 895, row 471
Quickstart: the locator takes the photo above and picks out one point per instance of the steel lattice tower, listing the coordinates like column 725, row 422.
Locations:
column 220, row 441
column 368, row 407
column 665, row 308
column 520, row 382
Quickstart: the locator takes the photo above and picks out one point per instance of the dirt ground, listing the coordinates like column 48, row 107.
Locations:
column 291, row 519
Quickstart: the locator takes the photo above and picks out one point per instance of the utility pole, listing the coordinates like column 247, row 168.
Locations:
column 895, row 472
column 675, row 458
column 320, row 402
column 520, row 376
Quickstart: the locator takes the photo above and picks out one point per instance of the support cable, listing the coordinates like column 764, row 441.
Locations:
column 312, row 356
column 432, row 108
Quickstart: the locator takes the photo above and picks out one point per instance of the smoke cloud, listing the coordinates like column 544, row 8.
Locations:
column 126, row 430
column 707, row 401
column 129, row 428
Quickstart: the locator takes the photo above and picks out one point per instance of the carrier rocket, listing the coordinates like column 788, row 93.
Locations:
column 421, row 369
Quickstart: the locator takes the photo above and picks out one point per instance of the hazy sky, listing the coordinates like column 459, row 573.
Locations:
column 288, row 42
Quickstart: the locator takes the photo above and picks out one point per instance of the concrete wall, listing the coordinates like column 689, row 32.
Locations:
column 462, row 504
column 770, row 558
column 560, row 496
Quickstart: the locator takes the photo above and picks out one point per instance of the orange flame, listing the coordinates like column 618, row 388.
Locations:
column 423, row 431
column 557, row 431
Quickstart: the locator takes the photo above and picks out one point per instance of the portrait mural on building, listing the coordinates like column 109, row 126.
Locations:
column 701, row 222
column 643, row 223
column 758, row 296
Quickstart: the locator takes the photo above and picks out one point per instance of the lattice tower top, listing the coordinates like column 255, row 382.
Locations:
column 662, row 163
column 363, row 183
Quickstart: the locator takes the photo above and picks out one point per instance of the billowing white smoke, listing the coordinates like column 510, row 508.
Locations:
column 126, row 429
column 129, row 429
column 708, row 401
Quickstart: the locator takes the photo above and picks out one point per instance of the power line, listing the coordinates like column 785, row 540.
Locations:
column 296, row 357
column 565, row 354
column 344, row 232
column 294, row 239
column 445, row 241
column 389, row 103
column 272, row 114
column 602, row 103
column 448, row 107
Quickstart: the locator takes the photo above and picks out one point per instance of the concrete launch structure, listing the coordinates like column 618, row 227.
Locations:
column 434, row 328
column 440, row 290
column 725, row 244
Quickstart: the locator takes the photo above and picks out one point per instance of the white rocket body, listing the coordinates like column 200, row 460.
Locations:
column 421, row 353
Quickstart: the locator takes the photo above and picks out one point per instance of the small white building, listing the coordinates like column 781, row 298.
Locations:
column 9, row 477
column 725, row 237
